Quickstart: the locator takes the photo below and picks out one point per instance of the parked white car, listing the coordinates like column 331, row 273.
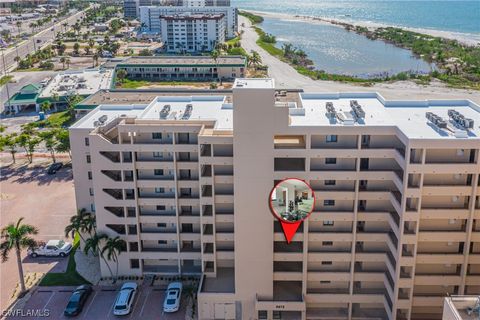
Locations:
column 173, row 297
column 53, row 248
column 124, row 301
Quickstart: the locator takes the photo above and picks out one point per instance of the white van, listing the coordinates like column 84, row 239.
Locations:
column 124, row 301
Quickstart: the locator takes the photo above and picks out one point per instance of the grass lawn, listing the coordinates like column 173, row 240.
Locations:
column 132, row 84
column 5, row 80
column 57, row 120
column 70, row 277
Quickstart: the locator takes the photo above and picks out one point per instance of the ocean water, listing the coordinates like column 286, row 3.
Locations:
column 453, row 15
column 338, row 51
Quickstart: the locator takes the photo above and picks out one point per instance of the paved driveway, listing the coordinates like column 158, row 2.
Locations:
column 147, row 305
column 45, row 201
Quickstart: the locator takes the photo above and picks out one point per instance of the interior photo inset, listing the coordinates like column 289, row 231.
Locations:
column 292, row 200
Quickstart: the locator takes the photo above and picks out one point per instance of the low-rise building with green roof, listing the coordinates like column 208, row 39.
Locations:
column 23, row 99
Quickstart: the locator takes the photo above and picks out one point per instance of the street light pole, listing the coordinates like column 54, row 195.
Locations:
column 6, row 84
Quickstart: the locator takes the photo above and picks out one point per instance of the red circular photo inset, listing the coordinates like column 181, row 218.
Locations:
column 292, row 200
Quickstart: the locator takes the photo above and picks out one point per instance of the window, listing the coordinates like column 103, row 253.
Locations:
column 89, row 159
column 324, row 281
column 330, row 182
column 330, row 160
column 160, row 208
column 134, row 264
column 133, row 246
column 91, row 191
column 262, row 314
column 87, row 142
column 331, row 138
column 92, row 207
column 328, row 223
column 156, row 135
column 158, row 172
column 162, row 241
column 159, row 190
column 327, row 243
column 89, row 174
column 132, row 229
column 327, row 263
column 157, row 154
column 328, row 202
column 161, row 225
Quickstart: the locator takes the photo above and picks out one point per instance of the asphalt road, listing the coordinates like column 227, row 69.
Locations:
column 287, row 77
column 37, row 41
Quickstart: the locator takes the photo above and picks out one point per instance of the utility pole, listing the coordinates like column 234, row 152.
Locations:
column 5, row 72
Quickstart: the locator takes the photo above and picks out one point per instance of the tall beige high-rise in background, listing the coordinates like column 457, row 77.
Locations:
column 185, row 181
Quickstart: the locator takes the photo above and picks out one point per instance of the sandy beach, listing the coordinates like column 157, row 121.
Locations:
column 465, row 38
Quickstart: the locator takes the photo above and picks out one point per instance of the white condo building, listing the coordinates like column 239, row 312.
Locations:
column 192, row 33
column 151, row 16
column 184, row 178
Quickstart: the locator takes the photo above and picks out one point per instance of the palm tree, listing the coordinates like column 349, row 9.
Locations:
column 19, row 24
column 92, row 245
column 255, row 58
column 80, row 224
column 45, row 106
column 215, row 54
column 63, row 60
column 65, row 25
column 95, row 59
column 17, row 237
column 32, row 26
column 67, row 61
column 113, row 247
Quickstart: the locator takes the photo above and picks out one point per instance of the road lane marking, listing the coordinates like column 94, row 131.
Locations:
column 89, row 305
column 48, row 301
column 145, row 302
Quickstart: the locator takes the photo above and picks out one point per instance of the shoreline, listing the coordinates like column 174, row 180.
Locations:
column 464, row 38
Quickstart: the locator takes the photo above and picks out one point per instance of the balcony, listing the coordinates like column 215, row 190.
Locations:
column 112, row 156
column 115, row 175
column 161, row 213
column 152, row 177
column 150, row 157
column 144, row 195
column 159, row 249
column 118, row 211
column 115, row 193
column 161, row 269
column 157, row 230
column 289, row 142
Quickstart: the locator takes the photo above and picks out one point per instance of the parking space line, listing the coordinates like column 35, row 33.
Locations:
column 89, row 305
column 137, row 298
column 145, row 302
column 48, row 301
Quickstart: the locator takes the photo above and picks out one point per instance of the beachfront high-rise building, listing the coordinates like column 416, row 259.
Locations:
column 192, row 32
column 150, row 16
column 185, row 181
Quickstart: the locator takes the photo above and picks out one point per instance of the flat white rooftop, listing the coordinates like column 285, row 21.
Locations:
column 408, row 116
column 254, row 83
column 83, row 82
column 111, row 112
column 202, row 108
column 213, row 108
column 309, row 111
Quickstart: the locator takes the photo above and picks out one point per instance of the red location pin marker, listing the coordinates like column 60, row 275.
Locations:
column 291, row 201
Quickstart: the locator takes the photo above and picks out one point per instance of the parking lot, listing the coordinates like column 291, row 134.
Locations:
column 52, row 301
